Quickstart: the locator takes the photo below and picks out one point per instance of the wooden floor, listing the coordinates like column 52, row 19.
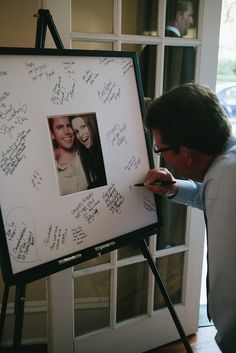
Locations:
column 202, row 342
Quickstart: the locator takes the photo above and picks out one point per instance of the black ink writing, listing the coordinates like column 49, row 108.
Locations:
column 90, row 77
column 117, row 135
column 39, row 71
column 3, row 73
column 78, row 235
column 20, row 235
column 56, row 237
column 62, row 94
column 11, row 116
column 16, row 114
column 133, row 163
column 6, row 130
column 68, row 68
column 113, row 199
column 87, row 208
column 106, row 61
column 36, row 179
column 10, row 158
column 127, row 64
column 109, row 92
column 149, row 205
column 3, row 97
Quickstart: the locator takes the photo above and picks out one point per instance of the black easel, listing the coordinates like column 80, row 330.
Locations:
column 152, row 264
column 44, row 20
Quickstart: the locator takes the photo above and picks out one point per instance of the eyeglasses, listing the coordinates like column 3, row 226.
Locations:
column 159, row 151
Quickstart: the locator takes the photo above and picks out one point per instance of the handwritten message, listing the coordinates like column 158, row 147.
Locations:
column 62, row 94
column 149, row 205
column 89, row 77
column 78, row 235
column 113, row 199
column 12, row 156
column 11, row 115
column 87, row 208
column 107, row 61
column 68, row 66
column 56, row 237
column 109, row 92
column 38, row 71
column 3, row 73
column 133, row 163
column 127, row 65
column 36, row 179
column 20, row 235
column 117, row 135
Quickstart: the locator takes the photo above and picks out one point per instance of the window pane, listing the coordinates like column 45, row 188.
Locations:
column 92, row 298
column 182, row 18
column 139, row 17
column 91, row 45
column 92, row 16
column 173, row 229
column 171, row 272
column 147, row 60
column 132, row 291
column 94, row 262
column 18, row 24
column 179, row 66
column 129, row 250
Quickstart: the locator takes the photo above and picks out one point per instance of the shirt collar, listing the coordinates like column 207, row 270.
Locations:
column 173, row 29
column 231, row 143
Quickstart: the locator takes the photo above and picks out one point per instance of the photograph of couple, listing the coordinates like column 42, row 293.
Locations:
column 77, row 152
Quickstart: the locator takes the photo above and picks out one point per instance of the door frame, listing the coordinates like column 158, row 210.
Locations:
column 61, row 296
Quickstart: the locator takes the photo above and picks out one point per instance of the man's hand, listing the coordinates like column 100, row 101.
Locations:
column 161, row 174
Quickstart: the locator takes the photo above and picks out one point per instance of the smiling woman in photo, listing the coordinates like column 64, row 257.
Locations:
column 89, row 148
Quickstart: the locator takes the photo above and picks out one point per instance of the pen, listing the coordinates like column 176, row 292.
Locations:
column 158, row 182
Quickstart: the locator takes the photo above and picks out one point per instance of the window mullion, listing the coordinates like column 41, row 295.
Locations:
column 117, row 17
column 113, row 289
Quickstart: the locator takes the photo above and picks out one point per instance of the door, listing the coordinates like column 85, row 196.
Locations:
column 111, row 303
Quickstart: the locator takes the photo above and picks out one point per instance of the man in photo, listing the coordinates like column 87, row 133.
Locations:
column 70, row 172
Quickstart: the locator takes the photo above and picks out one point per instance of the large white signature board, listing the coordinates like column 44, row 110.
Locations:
column 40, row 225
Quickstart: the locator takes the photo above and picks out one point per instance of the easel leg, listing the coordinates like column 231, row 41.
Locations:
column 152, row 264
column 44, row 20
column 19, row 314
column 3, row 311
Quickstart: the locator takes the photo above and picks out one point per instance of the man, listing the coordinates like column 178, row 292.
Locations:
column 179, row 17
column 71, row 176
column 193, row 135
column 179, row 60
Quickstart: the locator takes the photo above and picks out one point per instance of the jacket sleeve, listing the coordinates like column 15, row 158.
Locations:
column 189, row 193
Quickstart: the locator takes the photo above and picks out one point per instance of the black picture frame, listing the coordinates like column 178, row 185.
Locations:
column 41, row 231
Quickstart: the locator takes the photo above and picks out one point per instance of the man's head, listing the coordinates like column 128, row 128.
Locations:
column 180, row 15
column 62, row 132
column 191, row 121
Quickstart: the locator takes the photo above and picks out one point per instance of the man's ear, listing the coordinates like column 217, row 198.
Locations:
column 188, row 155
column 178, row 16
